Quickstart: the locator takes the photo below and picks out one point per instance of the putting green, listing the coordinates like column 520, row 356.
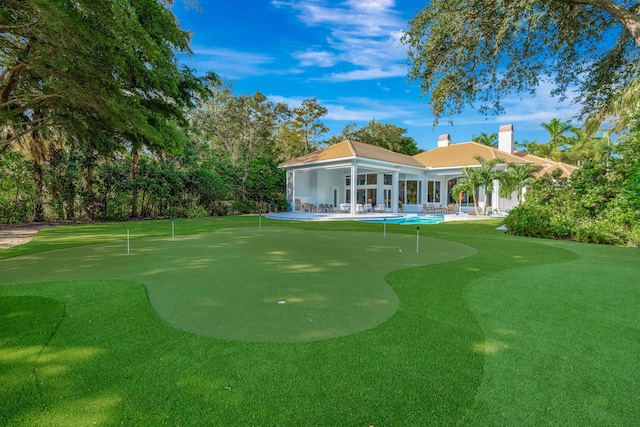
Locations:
column 253, row 284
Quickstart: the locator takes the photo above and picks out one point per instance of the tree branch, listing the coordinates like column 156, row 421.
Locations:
column 629, row 20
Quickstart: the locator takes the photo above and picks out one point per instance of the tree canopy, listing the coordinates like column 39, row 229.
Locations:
column 475, row 53
column 101, row 70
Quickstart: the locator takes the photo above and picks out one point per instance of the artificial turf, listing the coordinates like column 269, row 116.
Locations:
column 523, row 332
column 250, row 283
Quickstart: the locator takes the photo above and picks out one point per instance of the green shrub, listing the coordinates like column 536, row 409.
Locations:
column 244, row 206
column 600, row 231
column 561, row 226
column 528, row 220
column 196, row 211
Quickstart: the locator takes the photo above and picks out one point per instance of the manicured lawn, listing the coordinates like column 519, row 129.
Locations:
column 479, row 328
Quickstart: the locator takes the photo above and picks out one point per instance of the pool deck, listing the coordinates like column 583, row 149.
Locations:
column 307, row 216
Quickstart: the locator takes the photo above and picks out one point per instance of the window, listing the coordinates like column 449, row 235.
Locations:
column 433, row 191
column 388, row 179
column 413, row 192
column 467, row 199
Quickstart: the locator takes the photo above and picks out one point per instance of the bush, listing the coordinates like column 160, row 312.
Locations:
column 196, row 211
column 245, row 206
column 529, row 220
column 600, row 231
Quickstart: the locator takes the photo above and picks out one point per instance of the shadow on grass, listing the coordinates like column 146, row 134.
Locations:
column 113, row 361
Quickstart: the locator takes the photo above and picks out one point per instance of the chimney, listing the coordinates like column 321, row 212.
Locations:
column 444, row 140
column 505, row 139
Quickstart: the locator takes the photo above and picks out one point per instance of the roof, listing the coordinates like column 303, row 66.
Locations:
column 548, row 165
column 350, row 149
column 460, row 155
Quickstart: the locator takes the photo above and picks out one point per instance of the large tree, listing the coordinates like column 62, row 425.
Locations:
column 103, row 72
column 96, row 68
column 300, row 133
column 472, row 52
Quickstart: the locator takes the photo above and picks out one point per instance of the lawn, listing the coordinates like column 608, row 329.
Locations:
column 316, row 324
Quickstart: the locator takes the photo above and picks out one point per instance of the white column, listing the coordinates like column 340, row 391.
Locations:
column 291, row 190
column 394, row 192
column 354, row 186
column 380, row 190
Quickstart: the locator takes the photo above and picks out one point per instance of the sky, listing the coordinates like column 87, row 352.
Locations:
column 349, row 56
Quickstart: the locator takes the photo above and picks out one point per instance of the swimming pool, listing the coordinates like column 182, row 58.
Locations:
column 408, row 220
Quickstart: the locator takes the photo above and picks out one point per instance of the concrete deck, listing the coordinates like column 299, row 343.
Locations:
column 307, row 216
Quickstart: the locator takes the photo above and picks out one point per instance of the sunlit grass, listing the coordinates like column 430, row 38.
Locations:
column 523, row 332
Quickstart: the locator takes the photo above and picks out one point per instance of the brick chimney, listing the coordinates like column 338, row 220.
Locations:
column 505, row 139
column 444, row 140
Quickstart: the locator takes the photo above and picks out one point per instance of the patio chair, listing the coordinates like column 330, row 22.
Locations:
column 298, row 205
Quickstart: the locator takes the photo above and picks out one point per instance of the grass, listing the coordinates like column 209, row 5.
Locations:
column 522, row 332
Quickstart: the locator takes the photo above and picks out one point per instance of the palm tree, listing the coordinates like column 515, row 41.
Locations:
column 475, row 178
column 468, row 184
column 603, row 148
column 515, row 178
column 556, row 128
column 484, row 138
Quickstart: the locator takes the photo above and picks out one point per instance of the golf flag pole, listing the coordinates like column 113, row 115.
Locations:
column 260, row 221
column 127, row 240
column 173, row 230
column 417, row 238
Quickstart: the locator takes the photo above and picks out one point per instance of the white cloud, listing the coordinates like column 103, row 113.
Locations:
column 353, row 109
column 309, row 58
column 231, row 64
column 363, row 74
column 363, row 33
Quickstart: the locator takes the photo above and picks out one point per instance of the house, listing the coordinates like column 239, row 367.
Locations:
column 391, row 182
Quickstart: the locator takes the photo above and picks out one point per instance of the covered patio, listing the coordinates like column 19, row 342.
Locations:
column 385, row 182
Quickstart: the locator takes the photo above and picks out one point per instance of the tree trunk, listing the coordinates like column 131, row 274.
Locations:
column 38, row 207
column 90, row 199
column 629, row 20
column 135, row 154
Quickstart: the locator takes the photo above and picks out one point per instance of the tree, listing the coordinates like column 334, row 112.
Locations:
column 300, row 133
column 464, row 52
column 112, row 82
column 556, row 129
column 469, row 184
column 385, row 135
column 484, row 138
column 477, row 177
column 516, row 178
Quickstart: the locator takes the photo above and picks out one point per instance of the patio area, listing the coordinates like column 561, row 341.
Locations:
column 336, row 216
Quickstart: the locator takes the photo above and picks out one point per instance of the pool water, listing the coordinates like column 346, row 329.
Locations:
column 409, row 220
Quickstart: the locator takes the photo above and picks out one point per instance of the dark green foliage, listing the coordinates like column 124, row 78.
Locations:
column 593, row 206
column 265, row 181
column 529, row 220
column 16, row 189
column 476, row 53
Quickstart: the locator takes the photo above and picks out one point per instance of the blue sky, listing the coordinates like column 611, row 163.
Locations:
column 347, row 54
